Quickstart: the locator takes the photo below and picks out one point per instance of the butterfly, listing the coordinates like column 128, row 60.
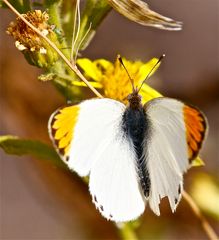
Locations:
column 134, row 155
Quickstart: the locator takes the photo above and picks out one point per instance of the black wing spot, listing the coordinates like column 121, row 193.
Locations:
column 101, row 208
column 95, row 198
column 179, row 190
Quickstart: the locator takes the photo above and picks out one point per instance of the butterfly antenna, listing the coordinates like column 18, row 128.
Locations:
column 76, row 29
column 152, row 69
column 132, row 82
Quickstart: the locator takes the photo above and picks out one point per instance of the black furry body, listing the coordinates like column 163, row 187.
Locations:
column 136, row 127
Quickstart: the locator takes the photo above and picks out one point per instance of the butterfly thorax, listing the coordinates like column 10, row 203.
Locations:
column 136, row 128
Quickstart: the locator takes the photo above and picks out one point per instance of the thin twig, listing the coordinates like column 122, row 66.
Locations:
column 72, row 67
column 205, row 224
column 81, row 41
column 77, row 24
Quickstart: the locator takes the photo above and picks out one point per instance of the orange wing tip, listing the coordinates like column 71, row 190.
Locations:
column 62, row 126
column 196, row 125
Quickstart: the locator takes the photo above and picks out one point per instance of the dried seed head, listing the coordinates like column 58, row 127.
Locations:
column 25, row 37
column 30, row 43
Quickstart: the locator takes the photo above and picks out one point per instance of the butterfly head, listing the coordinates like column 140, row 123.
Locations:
column 134, row 99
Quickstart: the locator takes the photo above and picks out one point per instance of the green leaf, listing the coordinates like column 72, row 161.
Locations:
column 21, row 6
column 198, row 162
column 16, row 146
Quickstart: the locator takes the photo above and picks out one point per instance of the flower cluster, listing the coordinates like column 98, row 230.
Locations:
column 29, row 42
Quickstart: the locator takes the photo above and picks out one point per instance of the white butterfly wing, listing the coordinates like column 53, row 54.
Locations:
column 114, row 182
column 168, row 151
column 80, row 132
column 92, row 132
column 90, row 139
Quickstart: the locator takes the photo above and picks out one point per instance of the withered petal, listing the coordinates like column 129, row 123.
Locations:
column 139, row 11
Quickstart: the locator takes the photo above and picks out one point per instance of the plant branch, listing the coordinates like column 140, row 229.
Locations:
column 205, row 224
column 126, row 231
column 54, row 16
column 71, row 66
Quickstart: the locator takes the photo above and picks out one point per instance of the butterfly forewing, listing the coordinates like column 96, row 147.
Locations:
column 88, row 125
column 196, row 126
column 61, row 128
column 168, row 149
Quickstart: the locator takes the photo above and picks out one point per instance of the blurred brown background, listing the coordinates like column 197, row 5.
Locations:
column 39, row 201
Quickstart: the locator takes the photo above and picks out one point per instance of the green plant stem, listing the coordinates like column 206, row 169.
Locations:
column 54, row 13
column 59, row 68
column 127, row 232
column 205, row 224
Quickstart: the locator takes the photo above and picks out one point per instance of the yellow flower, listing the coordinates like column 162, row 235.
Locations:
column 115, row 82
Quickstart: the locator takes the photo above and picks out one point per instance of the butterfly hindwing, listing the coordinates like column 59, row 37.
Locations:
column 168, row 149
column 114, row 182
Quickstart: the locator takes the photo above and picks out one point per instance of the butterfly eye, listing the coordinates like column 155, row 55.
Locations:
column 129, row 97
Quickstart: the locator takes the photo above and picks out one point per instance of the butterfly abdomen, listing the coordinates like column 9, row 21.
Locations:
column 136, row 127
